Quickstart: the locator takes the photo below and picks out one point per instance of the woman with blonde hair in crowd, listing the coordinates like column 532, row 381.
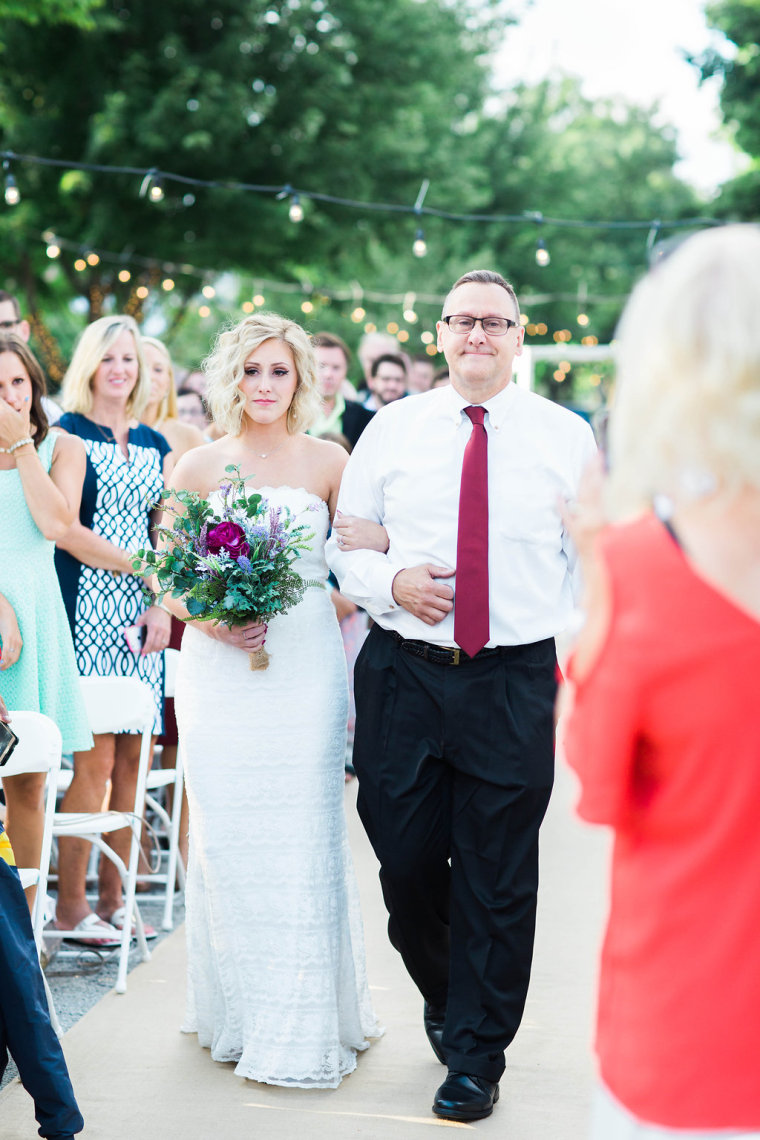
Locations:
column 41, row 475
column 104, row 392
column 276, row 972
column 161, row 411
column 665, row 733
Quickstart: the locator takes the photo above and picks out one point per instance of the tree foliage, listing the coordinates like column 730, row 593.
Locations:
column 358, row 99
column 738, row 68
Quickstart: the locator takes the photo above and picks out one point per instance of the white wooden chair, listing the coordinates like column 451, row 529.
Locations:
column 163, row 778
column 116, row 704
column 38, row 750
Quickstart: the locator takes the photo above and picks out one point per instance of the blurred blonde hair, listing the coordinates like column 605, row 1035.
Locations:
column 686, row 417
column 167, row 409
column 93, row 344
column 224, row 369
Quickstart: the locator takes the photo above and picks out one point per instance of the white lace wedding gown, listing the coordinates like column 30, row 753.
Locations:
column 276, row 973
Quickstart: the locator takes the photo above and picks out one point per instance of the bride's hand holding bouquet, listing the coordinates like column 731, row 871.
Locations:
column 231, row 565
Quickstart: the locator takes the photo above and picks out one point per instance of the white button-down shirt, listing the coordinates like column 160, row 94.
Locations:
column 405, row 472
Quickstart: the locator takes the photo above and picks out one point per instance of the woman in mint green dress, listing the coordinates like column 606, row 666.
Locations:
column 41, row 476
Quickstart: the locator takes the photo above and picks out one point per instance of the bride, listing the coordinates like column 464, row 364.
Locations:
column 276, row 975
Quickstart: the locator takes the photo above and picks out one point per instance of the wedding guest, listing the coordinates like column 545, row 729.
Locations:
column 25, row 1030
column 387, row 381
column 454, row 745
column 161, row 414
column 191, row 409
column 104, row 392
column 665, row 731
column 12, row 322
column 420, row 373
column 372, row 345
column 161, row 411
column 337, row 414
column 41, row 474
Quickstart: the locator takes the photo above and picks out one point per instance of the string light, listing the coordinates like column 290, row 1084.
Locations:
column 208, row 291
column 419, row 246
column 258, row 299
column 583, row 319
column 12, row 195
column 307, row 307
column 53, row 250
column 427, row 338
column 125, row 275
column 358, row 314
column 204, row 311
column 93, row 259
column 248, row 306
column 392, row 327
column 295, row 211
column 80, row 265
column 167, row 284
column 409, row 314
column 542, row 253
column 152, row 186
column 142, row 292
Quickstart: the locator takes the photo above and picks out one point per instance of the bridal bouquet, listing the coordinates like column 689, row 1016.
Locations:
column 233, row 564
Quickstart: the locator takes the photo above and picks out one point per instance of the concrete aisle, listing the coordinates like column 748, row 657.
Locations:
column 136, row 1076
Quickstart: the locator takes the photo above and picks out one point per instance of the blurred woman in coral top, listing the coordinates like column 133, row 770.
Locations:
column 664, row 731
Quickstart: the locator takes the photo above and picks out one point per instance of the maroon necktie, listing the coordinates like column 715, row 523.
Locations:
column 471, row 627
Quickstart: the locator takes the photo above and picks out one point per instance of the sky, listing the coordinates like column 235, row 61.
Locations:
column 629, row 48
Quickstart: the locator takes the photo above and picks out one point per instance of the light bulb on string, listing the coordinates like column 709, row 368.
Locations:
column 419, row 247
column 295, row 211
column 542, row 253
column 151, row 186
column 12, row 195
column 53, row 250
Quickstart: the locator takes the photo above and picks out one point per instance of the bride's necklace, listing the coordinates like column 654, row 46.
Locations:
column 266, row 454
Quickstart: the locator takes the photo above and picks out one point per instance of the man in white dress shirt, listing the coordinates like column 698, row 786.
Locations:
column 455, row 685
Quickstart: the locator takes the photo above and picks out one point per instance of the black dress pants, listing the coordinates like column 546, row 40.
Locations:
column 455, row 767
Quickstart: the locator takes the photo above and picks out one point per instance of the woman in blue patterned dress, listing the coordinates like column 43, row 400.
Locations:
column 104, row 391
column 41, row 476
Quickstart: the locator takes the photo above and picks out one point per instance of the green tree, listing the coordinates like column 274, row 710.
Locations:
column 352, row 98
column 738, row 68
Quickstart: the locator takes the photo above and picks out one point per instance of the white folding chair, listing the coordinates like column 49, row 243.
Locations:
column 163, row 778
column 38, row 750
column 116, row 704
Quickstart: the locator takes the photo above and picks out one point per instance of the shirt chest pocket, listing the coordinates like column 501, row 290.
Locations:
column 525, row 510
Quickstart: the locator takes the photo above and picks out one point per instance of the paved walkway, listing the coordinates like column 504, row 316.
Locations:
column 137, row 1076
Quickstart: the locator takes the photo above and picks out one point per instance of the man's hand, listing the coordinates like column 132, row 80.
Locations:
column 418, row 591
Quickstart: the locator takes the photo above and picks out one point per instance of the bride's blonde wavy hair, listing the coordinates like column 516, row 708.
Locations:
column 225, row 366
column 686, row 416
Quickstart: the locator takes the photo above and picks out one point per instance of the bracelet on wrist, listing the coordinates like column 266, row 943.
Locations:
column 15, row 446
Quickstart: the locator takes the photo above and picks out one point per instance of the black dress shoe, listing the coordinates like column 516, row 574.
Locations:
column 464, row 1097
column 433, row 1020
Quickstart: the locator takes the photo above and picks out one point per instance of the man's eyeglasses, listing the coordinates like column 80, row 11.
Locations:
column 493, row 326
column 8, row 325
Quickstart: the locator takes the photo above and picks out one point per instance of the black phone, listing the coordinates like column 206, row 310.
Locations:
column 8, row 741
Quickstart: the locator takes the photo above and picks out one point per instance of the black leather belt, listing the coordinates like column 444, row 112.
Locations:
column 442, row 654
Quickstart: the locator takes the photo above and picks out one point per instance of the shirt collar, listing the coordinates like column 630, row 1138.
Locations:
column 497, row 407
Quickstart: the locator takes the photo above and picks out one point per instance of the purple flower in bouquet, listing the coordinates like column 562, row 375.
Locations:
column 228, row 536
